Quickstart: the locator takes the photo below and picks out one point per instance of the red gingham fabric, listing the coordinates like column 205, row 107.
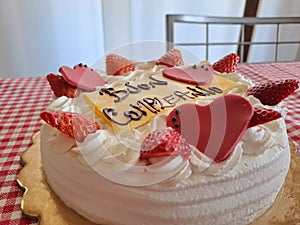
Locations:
column 23, row 99
column 259, row 73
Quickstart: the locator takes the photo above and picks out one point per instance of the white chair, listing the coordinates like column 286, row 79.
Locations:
column 244, row 41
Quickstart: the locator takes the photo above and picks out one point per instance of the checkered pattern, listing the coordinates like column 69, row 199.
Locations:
column 259, row 73
column 23, row 99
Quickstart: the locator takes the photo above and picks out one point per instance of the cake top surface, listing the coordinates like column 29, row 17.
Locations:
column 162, row 118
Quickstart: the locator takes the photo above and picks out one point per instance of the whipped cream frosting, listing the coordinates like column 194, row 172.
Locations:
column 107, row 164
column 107, row 150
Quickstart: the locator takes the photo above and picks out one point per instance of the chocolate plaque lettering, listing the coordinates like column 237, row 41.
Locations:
column 136, row 102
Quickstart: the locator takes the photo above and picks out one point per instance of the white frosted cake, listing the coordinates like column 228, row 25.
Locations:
column 165, row 142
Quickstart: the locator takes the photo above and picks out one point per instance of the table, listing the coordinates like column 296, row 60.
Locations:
column 23, row 99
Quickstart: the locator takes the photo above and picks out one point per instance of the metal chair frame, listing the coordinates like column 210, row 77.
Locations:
column 243, row 21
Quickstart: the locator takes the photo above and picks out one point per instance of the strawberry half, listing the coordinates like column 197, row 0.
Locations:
column 62, row 88
column 164, row 143
column 262, row 115
column 74, row 125
column 227, row 64
column 273, row 92
column 171, row 58
column 118, row 65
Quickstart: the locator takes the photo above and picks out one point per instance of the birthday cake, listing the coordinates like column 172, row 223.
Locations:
column 165, row 142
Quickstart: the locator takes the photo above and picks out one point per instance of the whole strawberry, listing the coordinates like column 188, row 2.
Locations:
column 171, row 58
column 227, row 64
column 262, row 115
column 74, row 125
column 164, row 143
column 271, row 93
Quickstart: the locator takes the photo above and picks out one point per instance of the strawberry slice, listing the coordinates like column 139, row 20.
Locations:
column 227, row 64
column 118, row 65
column 271, row 93
column 74, row 125
column 62, row 88
column 164, row 143
column 262, row 115
column 171, row 58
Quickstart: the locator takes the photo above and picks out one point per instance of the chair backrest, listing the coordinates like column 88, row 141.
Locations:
column 244, row 41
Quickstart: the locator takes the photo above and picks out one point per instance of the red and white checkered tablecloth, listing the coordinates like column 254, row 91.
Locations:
column 23, row 99
column 259, row 73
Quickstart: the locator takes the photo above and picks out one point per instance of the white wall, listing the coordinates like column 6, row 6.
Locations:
column 128, row 21
column 286, row 52
column 37, row 37
column 117, row 22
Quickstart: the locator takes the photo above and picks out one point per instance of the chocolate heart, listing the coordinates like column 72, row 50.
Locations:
column 215, row 129
column 196, row 74
column 82, row 76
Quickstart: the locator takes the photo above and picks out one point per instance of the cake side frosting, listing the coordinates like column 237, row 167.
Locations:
column 173, row 191
column 249, row 189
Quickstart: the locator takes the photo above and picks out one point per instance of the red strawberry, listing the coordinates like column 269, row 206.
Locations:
column 62, row 88
column 118, row 65
column 171, row 58
column 262, row 115
column 74, row 125
column 227, row 64
column 164, row 143
column 273, row 92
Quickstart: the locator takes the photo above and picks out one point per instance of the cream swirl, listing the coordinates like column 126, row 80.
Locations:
column 242, row 84
column 103, row 146
column 256, row 140
column 119, row 163
column 59, row 142
column 62, row 103
column 77, row 105
column 202, row 164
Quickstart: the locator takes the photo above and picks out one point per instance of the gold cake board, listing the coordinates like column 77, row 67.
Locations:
column 39, row 200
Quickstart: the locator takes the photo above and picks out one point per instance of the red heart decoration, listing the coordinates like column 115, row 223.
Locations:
column 82, row 76
column 196, row 74
column 215, row 129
